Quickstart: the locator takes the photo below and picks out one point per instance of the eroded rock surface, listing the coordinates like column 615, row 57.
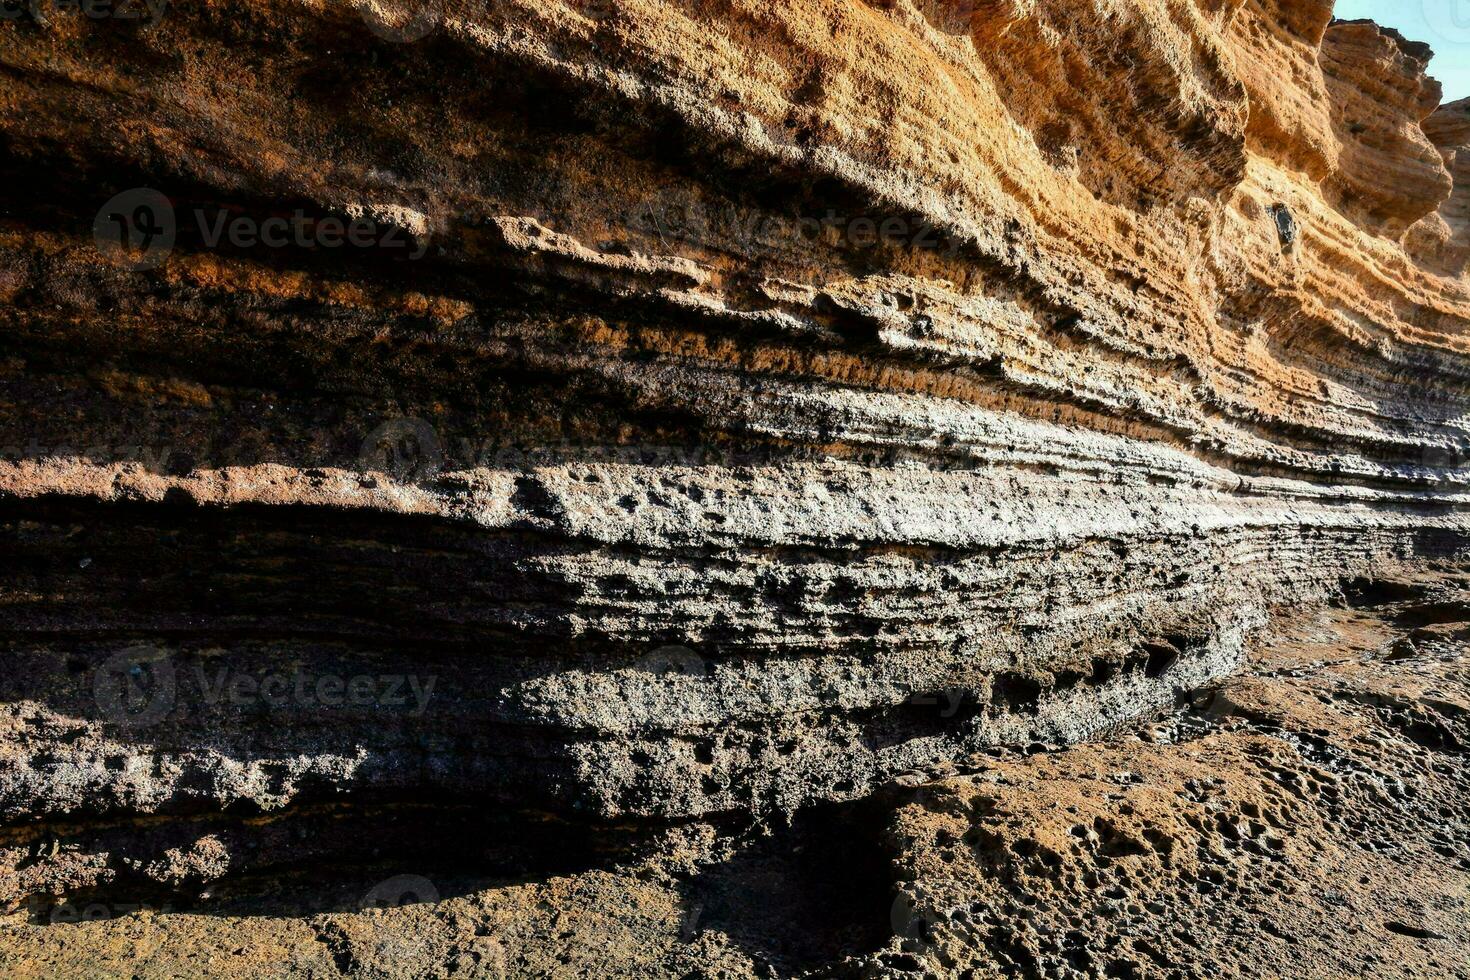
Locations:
column 630, row 420
column 1306, row 817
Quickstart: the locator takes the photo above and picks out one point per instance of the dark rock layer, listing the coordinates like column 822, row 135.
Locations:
column 627, row 413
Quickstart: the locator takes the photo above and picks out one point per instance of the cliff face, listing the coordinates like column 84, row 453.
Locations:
column 646, row 411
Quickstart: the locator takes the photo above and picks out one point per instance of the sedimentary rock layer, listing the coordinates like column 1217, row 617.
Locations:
column 647, row 411
column 1303, row 818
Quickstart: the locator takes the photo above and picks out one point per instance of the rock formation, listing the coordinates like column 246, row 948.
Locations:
column 564, row 431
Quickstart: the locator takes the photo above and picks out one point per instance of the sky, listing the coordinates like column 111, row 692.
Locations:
column 1445, row 24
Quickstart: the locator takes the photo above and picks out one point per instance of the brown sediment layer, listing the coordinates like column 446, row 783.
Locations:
column 728, row 408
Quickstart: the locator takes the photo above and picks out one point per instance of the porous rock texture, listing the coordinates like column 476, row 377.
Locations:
column 737, row 414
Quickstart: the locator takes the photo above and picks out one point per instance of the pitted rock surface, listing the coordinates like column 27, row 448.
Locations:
column 625, row 440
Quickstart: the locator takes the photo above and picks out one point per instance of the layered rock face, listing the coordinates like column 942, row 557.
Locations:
column 609, row 414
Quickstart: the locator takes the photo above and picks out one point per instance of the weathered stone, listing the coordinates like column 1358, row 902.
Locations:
column 624, row 415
